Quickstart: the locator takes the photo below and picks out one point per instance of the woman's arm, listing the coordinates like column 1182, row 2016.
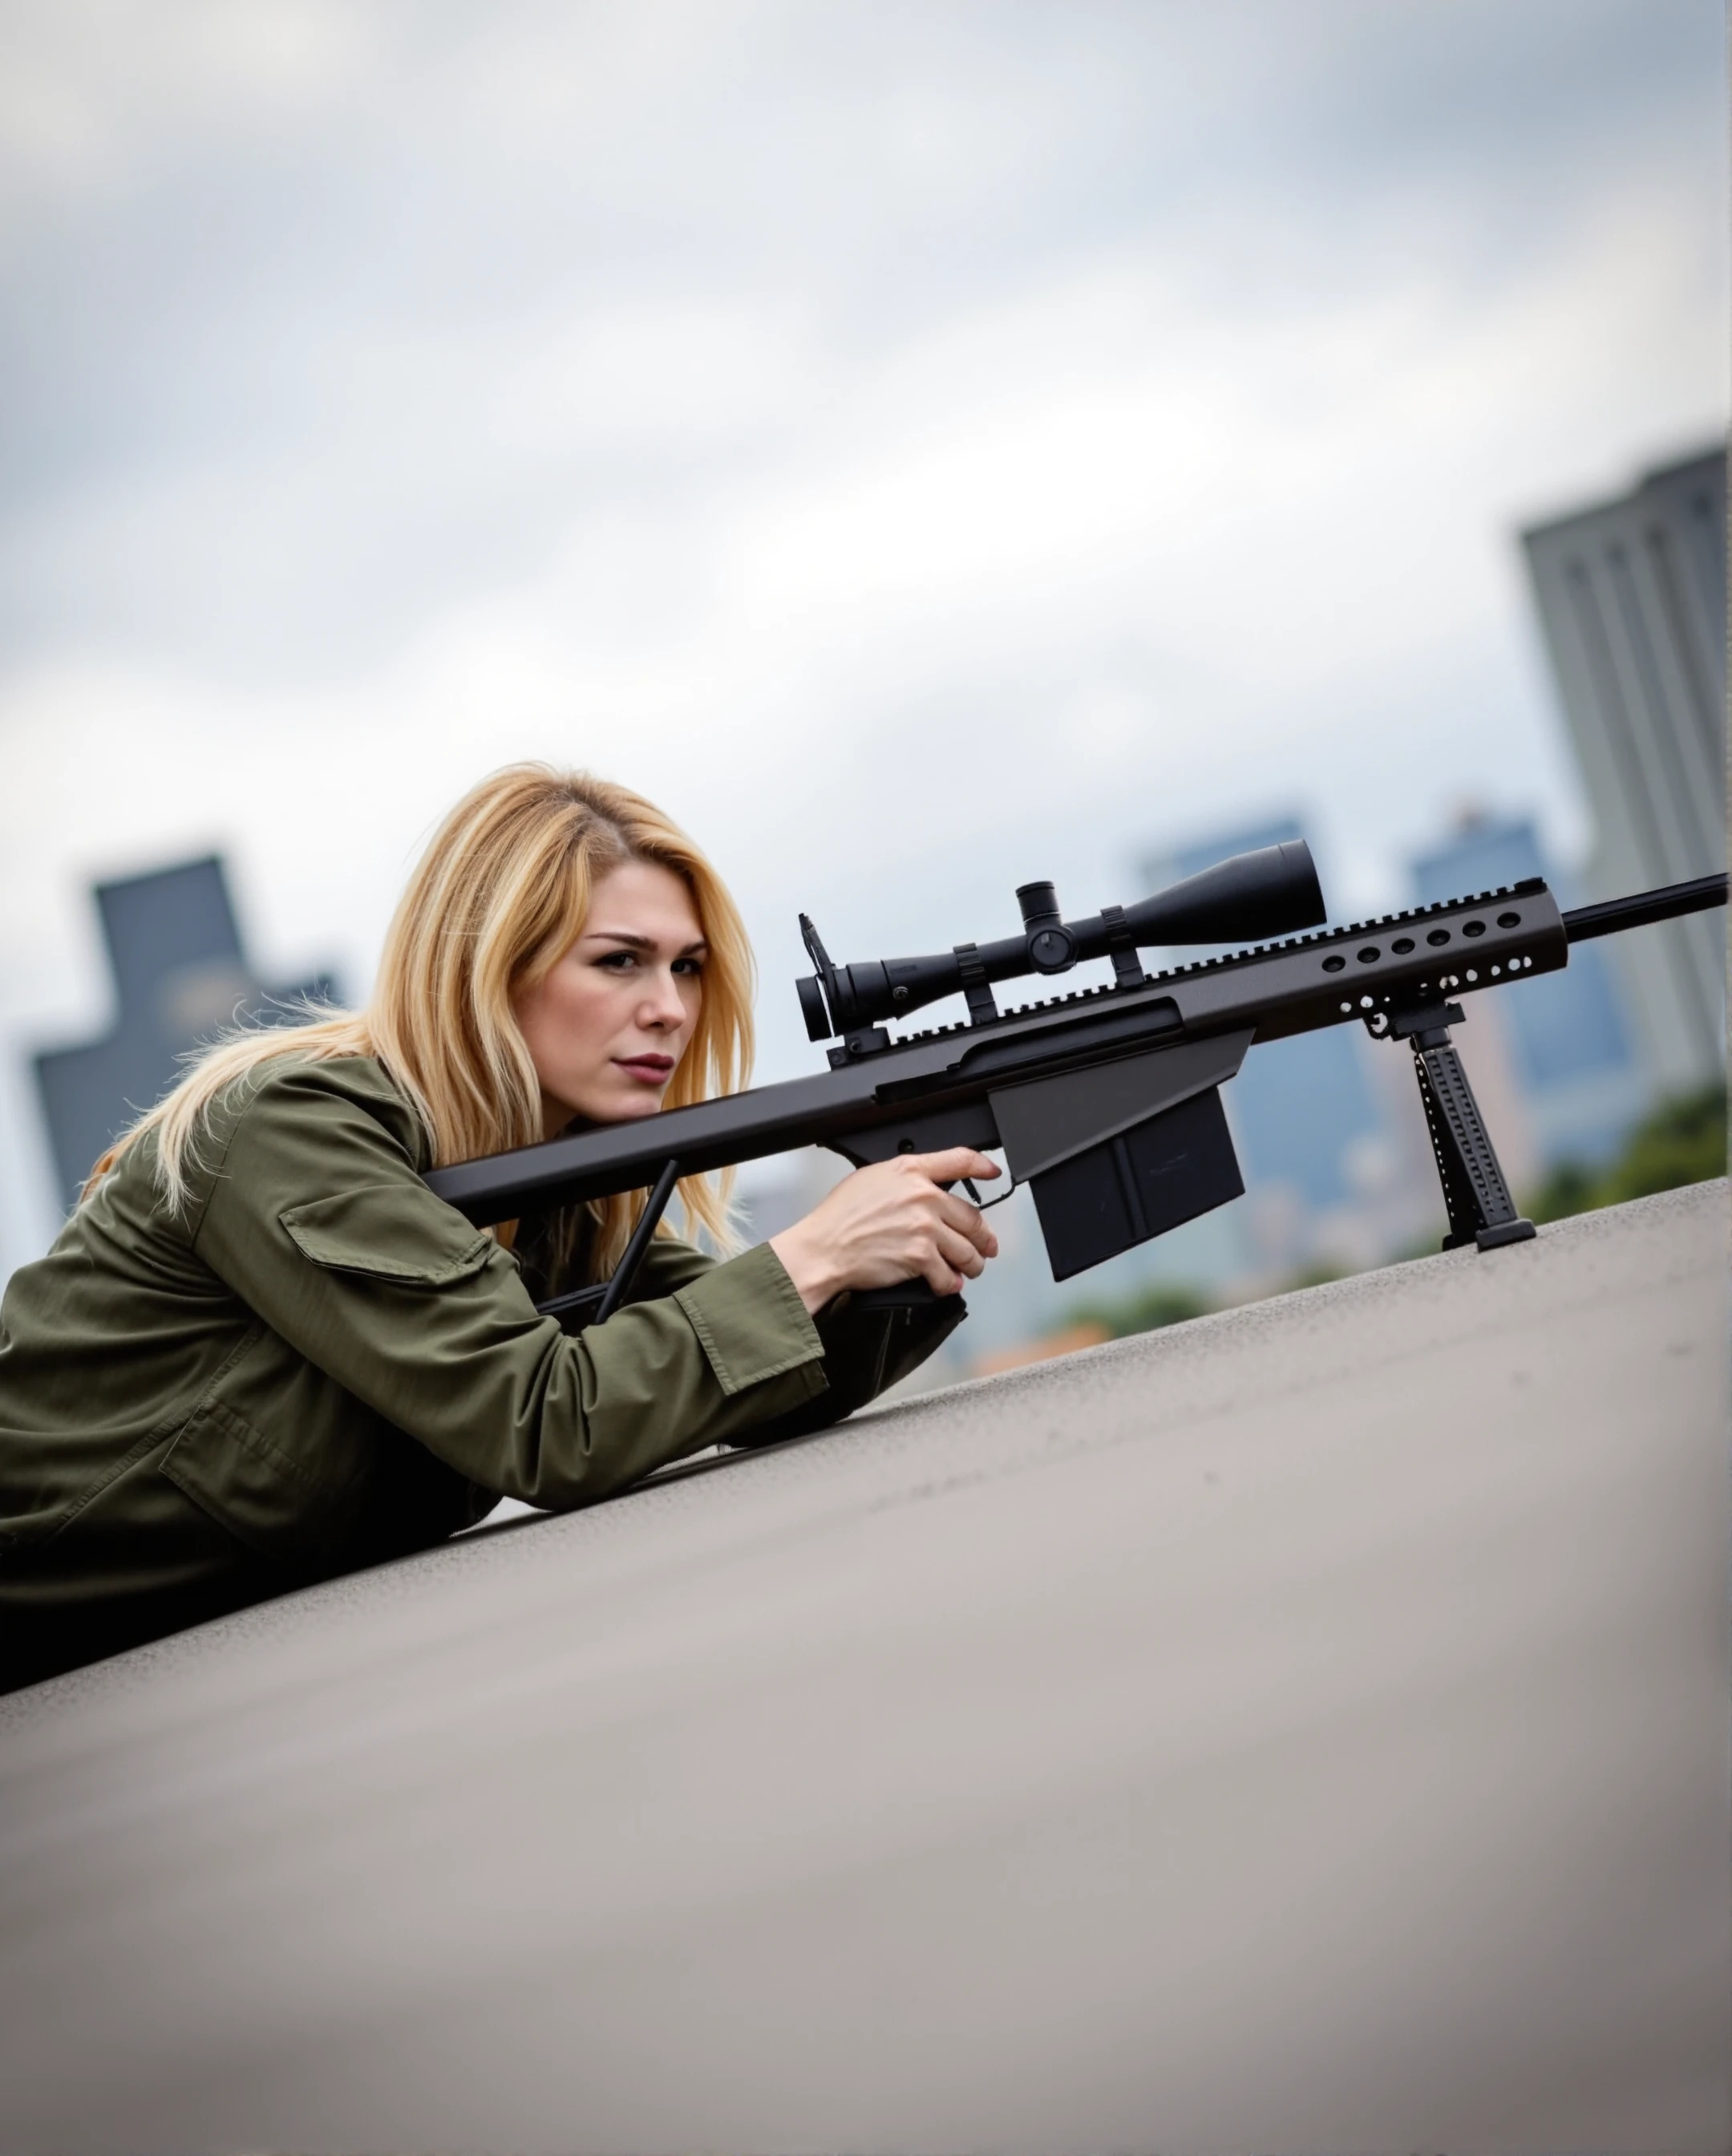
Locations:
column 316, row 1216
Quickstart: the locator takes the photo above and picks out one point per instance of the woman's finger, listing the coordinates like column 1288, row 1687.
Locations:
column 936, row 1270
column 960, row 1255
column 966, row 1219
column 952, row 1166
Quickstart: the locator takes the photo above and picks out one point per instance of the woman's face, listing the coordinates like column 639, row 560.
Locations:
column 608, row 1022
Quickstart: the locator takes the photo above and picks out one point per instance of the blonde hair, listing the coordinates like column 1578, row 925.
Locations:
column 501, row 893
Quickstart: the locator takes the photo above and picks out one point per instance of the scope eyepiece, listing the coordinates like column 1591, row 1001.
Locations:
column 810, row 990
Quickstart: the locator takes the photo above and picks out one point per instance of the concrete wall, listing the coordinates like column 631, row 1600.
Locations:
column 1304, row 1729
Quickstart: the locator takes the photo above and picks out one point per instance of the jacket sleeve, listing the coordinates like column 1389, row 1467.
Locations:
column 867, row 1348
column 866, row 1351
column 317, row 1219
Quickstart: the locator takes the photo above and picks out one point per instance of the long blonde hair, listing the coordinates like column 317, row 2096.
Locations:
column 501, row 893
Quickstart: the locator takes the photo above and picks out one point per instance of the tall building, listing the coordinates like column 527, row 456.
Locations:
column 180, row 975
column 1632, row 596
column 1567, row 1041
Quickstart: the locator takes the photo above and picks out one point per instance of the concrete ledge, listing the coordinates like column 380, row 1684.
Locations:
column 1303, row 1729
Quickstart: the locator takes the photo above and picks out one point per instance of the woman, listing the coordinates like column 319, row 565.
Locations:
column 262, row 1352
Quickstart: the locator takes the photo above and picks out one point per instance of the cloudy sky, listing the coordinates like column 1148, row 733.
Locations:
column 926, row 446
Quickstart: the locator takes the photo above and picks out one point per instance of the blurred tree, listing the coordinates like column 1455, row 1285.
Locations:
column 1144, row 1311
column 1682, row 1141
column 1569, row 1188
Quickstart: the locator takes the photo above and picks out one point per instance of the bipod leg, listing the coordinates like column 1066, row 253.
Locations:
column 1475, row 1193
column 627, row 1270
column 583, row 1306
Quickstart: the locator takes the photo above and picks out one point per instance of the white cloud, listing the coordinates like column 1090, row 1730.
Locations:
column 88, row 87
column 918, row 480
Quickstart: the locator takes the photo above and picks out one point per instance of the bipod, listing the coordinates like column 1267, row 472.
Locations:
column 580, row 1307
column 1475, row 1193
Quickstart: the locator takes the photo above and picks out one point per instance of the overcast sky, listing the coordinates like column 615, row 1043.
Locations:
column 926, row 447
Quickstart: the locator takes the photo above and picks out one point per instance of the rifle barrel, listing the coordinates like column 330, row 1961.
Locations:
column 1584, row 922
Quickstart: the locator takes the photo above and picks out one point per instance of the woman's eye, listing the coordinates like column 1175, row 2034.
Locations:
column 619, row 961
column 693, row 966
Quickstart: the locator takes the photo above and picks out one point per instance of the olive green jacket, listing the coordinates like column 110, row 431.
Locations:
column 318, row 1364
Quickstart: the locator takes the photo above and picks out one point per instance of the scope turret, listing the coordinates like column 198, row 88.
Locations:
column 1247, row 899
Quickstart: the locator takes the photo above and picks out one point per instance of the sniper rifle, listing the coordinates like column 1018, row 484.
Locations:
column 1105, row 1101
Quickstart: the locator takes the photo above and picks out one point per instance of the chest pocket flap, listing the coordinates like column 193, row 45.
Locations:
column 389, row 1231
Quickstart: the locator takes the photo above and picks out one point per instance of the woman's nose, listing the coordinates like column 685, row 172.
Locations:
column 663, row 1005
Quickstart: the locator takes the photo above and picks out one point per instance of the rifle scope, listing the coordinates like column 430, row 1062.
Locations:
column 1247, row 899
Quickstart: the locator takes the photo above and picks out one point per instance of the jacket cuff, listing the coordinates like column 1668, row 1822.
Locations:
column 751, row 1322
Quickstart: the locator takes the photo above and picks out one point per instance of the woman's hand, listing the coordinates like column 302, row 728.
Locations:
column 891, row 1222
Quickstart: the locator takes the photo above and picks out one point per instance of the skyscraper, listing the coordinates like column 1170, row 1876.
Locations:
column 181, row 975
column 1632, row 596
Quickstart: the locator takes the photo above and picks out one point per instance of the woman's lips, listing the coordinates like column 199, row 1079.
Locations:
column 647, row 1069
